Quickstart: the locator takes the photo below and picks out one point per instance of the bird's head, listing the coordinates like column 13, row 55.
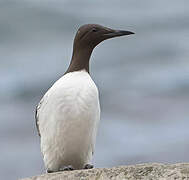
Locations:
column 90, row 35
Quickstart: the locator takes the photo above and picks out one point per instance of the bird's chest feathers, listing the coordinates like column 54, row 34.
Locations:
column 75, row 95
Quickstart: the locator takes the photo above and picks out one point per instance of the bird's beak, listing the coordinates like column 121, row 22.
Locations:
column 116, row 33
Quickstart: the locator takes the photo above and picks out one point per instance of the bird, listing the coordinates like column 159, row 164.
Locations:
column 68, row 115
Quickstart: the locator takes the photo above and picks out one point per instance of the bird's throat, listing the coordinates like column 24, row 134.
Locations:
column 80, row 60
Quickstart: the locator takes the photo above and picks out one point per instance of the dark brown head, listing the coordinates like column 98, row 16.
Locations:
column 90, row 35
column 87, row 38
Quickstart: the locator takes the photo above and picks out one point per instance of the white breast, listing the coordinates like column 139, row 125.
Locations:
column 68, row 118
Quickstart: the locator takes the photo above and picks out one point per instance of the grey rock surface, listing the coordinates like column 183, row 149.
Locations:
column 150, row 171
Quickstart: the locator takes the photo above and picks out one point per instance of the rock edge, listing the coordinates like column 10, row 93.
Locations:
column 151, row 171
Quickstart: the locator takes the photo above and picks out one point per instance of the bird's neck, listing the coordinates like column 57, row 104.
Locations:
column 80, row 60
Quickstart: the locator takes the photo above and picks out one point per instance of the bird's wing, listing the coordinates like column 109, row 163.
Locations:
column 37, row 109
column 37, row 118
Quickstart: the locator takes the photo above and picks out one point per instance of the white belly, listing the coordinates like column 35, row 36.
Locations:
column 68, row 118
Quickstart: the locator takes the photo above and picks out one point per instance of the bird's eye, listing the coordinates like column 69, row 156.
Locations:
column 94, row 30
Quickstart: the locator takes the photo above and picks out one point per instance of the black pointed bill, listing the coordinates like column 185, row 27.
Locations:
column 117, row 33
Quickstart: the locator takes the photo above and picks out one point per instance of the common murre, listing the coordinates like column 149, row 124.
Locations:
column 67, row 116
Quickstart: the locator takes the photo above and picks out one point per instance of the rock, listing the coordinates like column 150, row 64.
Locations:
column 154, row 171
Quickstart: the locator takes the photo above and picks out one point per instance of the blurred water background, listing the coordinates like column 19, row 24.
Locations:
column 143, row 79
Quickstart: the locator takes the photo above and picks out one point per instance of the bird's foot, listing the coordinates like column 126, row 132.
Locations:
column 66, row 168
column 49, row 171
column 63, row 168
column 88, row 166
